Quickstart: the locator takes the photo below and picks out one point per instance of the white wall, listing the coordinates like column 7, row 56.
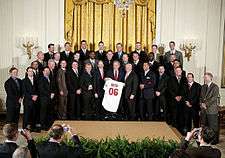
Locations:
column 38, row 18
column 176, row 20
column 195, row 19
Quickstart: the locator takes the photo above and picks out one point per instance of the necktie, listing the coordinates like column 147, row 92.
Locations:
column 17, row 83
column 116, row 75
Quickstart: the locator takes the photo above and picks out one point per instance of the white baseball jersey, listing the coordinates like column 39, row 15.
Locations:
column 113, row 90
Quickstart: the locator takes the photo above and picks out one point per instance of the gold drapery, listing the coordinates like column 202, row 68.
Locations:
column 100, row 20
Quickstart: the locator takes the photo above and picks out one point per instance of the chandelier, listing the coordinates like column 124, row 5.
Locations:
column 123, row 5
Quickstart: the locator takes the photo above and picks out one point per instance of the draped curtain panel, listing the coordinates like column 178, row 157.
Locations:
column 100, row 20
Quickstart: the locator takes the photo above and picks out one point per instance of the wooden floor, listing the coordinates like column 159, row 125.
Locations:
column 131, row 130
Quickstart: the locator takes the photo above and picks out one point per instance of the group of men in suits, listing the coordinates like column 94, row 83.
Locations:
column 70, row 85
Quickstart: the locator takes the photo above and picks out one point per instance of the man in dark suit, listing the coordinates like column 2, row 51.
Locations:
column 142, row 54
column 160, row 93
column 63, row 91
column 11, row 133
column 13, row 88
column 209, row 102
column 125, row 60
column 50, row 53
column 41, row 62
column 177, row 88
column 177, row 53
column 29, row 99
column 56, row 148
column 116, row 73
column 99, row 76
column 92, row 60
column 137, row 63
column 45, row 97
column 108, row 62
column 119, row 54
column 131, row 85
column 192, row 107
column 84, row 52
column 87, row 90
column 74, row 91
column 101, row 53
column 67, row 54
column 154, row 65
column 205, row 137
column 147, row 84
column 169, row 66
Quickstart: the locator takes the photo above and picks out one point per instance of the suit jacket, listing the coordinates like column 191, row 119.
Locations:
column 44, row 88
column 85, row 81
column 178, row 89
column 193, row 95
column 52, row 77
column 29, row 90
column 61, row 81
column 94, row 65
column 131, row 85
column 210, row 96
column 13, row 92
column 83, row 56
column 154, row 67
column 201, row 151
column 143, row 56
column 121, row 75
column 55, row 150
column 108, row 65
column 178, row 54
column 117, row 57
column 7, row 149
column 100, row 56
column 68, row 58
column 149, row 81
column 41, row 67
column 161, row 84
column 48, row 56
column 138, row 68
column 99, row 82
column 72, row 81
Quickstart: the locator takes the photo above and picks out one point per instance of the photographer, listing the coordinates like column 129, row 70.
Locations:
column 204, row 136
column 55, row 147
column 11, row 133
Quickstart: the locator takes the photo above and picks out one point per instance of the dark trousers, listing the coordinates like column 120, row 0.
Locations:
column 146, row 106
column 44, row 112
column 191, row 114
column 211, row 121
column 88, row 103
column 13, row 113
column 29, row 114
column 160, row 103
column 62, row 107
column 130, row 103
column 73, row 106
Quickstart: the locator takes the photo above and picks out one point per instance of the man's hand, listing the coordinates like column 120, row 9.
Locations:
column 96, row 95
column 203, row 105
column 20, row 100
column 34, row 97
column 90, row 87
column 78, row 91
column 26, row 134
column 142, row 86
column 188, row 104
column 61, row 93
column 157, row 93
column 178, row 98
column 190, row 134
column 131, row 97
column 52, row 95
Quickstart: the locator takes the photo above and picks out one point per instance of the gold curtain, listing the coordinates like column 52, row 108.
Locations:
column 100, row 20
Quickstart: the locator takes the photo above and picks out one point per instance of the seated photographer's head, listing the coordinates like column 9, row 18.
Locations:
column 10, row 131
column 56, row 132
column 206, row 136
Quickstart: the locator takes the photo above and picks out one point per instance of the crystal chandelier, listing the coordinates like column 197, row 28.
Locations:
column 123, row 5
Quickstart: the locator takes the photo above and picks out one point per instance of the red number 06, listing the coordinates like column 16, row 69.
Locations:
column 113, row 91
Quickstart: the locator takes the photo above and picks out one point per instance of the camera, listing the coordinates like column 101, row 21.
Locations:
column 197, row 133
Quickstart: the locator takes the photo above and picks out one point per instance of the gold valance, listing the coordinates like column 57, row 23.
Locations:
column 82, row 2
